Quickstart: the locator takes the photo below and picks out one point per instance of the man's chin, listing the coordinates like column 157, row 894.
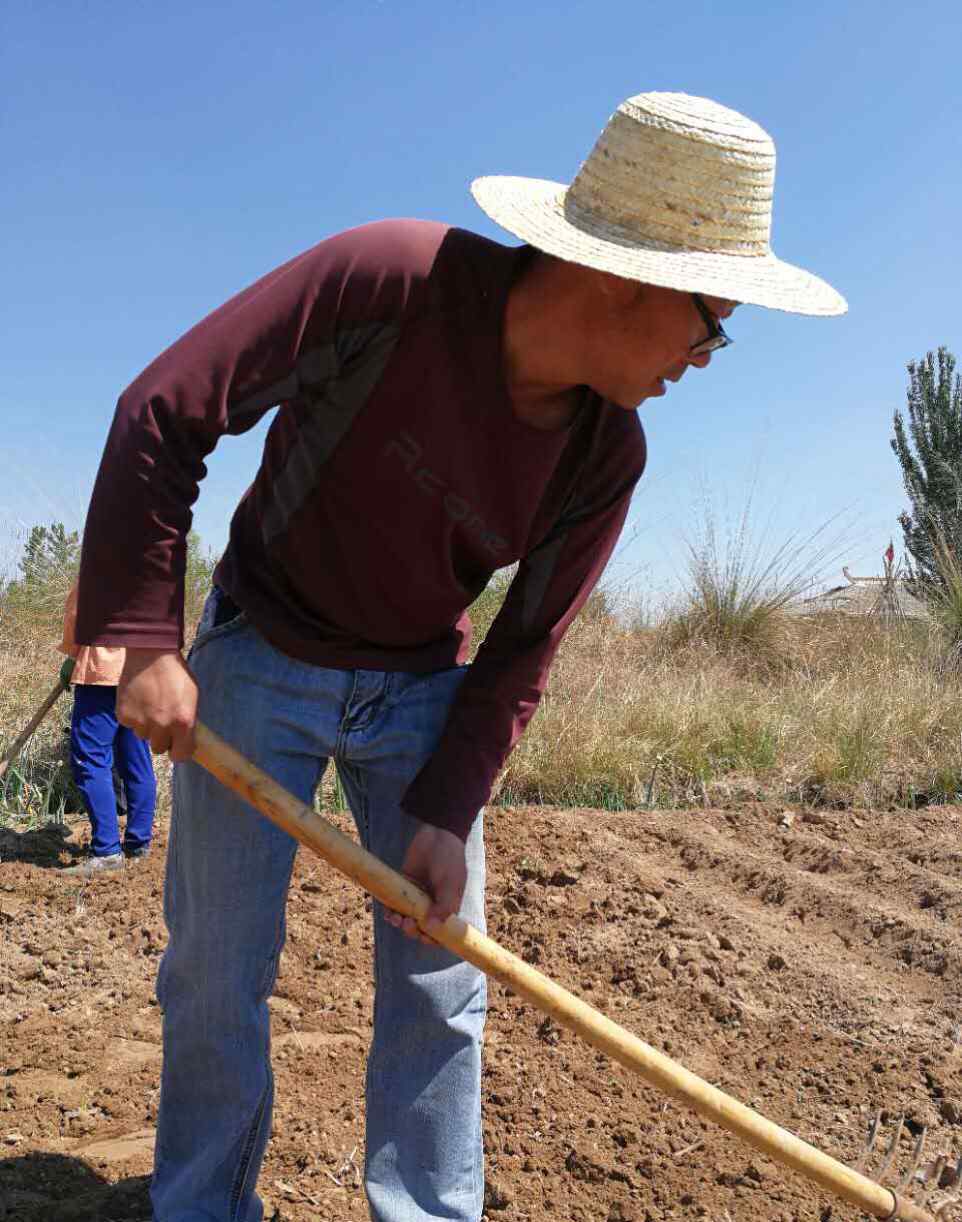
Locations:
column 654, row 390
column 629, row 399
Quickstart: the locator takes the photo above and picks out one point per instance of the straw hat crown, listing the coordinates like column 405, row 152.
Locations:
column 677, row 191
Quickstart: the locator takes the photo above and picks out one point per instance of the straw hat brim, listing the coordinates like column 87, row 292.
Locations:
column 536, row 210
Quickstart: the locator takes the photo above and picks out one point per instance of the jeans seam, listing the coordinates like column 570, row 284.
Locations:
column 360, row 781
column 344, row 725
column 362, row 817
column 244, row 1165
column 339, row 752
column 376, row 918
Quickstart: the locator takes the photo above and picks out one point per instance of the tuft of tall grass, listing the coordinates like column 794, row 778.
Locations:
column 36, row 789
column 738, row 586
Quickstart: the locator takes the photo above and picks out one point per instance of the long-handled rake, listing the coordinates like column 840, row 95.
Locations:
column 395, row 891
column 62, row 685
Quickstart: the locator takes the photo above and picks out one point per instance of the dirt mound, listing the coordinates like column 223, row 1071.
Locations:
column 808, row 964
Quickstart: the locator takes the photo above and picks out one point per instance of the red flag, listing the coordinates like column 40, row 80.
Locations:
column 890, row 553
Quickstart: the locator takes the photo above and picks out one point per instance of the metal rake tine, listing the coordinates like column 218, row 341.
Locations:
column 933, row 1175
column 890, row 1152
column 916, row 1159
column 941, row 1172
column 869, row 1148
column 938, row 1208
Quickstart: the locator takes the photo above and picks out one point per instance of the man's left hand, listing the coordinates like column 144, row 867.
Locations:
column 435, row 862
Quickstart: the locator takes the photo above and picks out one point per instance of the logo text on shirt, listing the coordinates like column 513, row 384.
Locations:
column 458, row 509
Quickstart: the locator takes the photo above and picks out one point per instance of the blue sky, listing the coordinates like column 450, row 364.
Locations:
column 159, row 158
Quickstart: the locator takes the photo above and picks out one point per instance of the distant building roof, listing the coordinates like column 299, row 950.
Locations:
column 881, row 596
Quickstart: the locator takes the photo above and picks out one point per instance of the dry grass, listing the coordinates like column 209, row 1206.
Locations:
column 851, row 714
column 36, row 786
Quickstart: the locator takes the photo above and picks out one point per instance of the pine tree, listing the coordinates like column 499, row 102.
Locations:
column 47, row 567
column 50, row 562
column 51, row 555
column 931, row 457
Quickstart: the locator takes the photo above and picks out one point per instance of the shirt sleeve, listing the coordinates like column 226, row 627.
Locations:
column 68, row 643
column 275, row 342
column 504, row 684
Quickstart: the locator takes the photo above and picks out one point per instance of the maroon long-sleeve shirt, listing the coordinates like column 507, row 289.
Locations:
column 395, row 480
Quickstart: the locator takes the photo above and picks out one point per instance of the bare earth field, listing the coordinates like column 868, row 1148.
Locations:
column 809, row 964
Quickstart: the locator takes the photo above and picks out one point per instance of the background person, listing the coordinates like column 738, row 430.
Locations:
column 98, row 745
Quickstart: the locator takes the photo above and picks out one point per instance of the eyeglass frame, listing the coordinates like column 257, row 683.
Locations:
column 717, row 337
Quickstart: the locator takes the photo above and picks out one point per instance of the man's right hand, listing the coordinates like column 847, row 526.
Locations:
column 157, row 699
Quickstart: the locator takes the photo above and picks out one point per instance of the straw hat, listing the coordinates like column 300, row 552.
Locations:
column 676, row 192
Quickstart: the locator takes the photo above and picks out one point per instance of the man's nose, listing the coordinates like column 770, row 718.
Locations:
column 720, row 307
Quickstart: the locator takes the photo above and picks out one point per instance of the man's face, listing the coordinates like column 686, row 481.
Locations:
column 639, row 338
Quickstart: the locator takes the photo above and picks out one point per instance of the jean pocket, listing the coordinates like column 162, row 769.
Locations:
column 212, row 626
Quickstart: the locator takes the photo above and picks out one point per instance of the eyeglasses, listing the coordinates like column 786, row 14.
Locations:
column 716, row 338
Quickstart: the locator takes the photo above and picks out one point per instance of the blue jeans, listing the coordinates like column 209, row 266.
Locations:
column 228, row 872
column 98, row 744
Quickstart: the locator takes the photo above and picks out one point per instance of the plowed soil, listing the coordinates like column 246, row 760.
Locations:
column 807, row 963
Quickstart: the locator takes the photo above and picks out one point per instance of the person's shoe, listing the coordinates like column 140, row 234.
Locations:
column 96, row 865
column 139, row 853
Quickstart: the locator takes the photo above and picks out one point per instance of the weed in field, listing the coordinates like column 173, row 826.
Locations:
column 739, row 586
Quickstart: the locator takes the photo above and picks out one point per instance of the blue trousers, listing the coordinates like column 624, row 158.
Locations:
column 228, row 870
column 98, row 743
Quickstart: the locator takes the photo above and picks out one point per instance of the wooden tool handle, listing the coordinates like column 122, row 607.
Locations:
column 12, row 752
column 396, row 892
